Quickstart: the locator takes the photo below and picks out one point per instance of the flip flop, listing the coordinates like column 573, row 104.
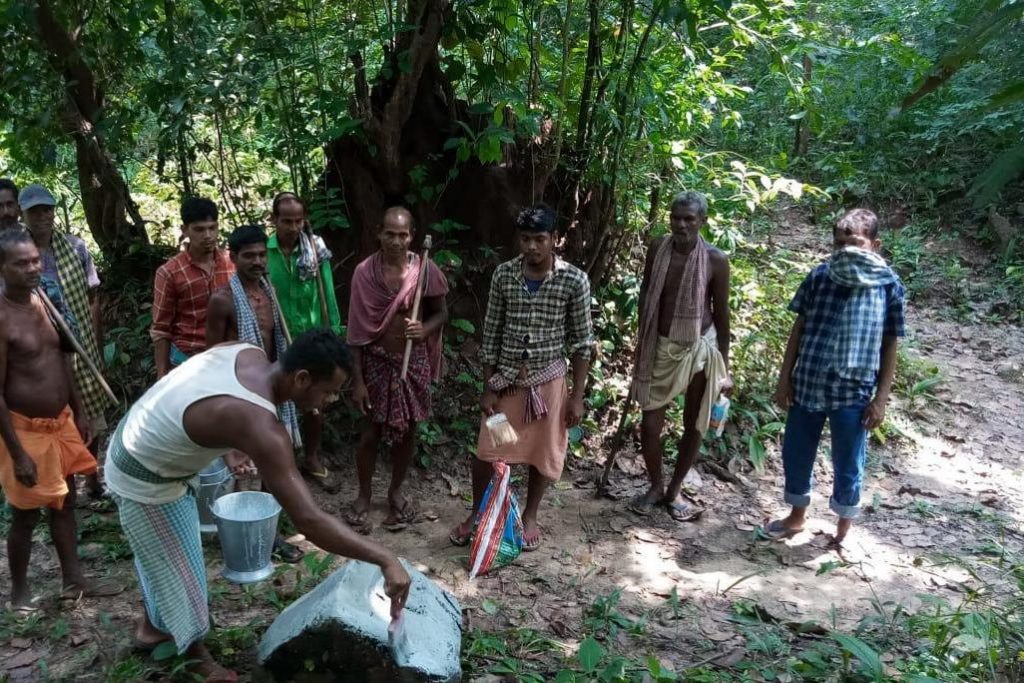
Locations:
column 321, row 477
column 459, row 540
column 26, row 610
column 641, row 506
column 286, row 552
column 530, row 546
column 683, row 512
column 777, row 532
column 358, row 521
column 400, row 519
column 104, row 504
column 99, row 589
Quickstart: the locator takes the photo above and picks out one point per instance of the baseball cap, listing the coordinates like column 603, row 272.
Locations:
column 35, row 195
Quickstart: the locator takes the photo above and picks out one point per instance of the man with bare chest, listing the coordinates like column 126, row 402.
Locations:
column 44, row 428
column 244, row 310
column 682, row 347
column 380, row 323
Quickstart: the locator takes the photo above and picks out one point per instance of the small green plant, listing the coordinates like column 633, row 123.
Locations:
column 604, row 619
column 129, row 670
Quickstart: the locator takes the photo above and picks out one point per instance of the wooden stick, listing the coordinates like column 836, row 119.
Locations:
column 284, row 323
column 62, row 324
column 421, row 285
column 613, row 451
column 324, row 317
column 280, row 313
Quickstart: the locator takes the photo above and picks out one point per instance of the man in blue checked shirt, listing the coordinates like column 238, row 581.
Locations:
column 839, row 365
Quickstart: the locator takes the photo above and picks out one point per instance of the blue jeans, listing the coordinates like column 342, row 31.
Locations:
column 849, row 449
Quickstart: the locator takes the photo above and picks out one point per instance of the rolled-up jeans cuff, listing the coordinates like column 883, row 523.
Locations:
column 797, row 500
column 844, row 511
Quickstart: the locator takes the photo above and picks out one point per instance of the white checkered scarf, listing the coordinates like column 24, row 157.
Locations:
column 76, row 295
column 312, row 252
column 249, row 332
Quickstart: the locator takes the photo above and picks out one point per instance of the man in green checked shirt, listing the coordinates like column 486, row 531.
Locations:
column 294, row 259
column 538, row 313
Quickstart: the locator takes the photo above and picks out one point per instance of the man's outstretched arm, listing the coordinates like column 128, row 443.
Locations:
column 265, row 441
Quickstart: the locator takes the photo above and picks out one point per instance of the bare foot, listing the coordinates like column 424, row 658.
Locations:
column 842, row 528
column 206, row 668
column 21, row 598
column 148, row 636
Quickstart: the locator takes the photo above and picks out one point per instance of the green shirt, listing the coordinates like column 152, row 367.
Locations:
column 300, row 299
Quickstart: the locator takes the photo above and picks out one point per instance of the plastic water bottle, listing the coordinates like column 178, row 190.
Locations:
column 719, row 413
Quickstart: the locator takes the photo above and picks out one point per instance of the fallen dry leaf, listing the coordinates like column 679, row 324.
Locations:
column 645, row 536
column 23, row 658
column 730, row 658
column 618, row 524
column 717, row 636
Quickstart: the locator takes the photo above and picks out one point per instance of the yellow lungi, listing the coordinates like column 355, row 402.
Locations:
column 675, row 366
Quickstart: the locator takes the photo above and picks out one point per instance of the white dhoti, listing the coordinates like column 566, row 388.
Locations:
column 675, row 366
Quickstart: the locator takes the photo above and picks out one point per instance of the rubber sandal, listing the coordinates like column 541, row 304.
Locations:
column 321, row 479
column 460, row 540
column 25, row 610
column 286, row 552
column 358, row 521
column 683, row 512
column 402, row 519
column 529, row 547
column 641, row 506
column 776, row 531
column 99, row 589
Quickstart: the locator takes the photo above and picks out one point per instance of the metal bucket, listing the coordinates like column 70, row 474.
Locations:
column 214, row 481
column 246, row 526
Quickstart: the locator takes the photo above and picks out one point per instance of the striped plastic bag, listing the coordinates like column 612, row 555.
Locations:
column 499, row 532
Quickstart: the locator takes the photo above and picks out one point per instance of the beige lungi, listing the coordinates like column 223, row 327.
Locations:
column 542, row 443
column 675, row 366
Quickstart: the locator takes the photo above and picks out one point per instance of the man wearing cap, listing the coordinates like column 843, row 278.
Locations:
column 67, row 262
column 10, row 212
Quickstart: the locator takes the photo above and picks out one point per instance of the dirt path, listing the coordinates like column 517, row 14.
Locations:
column 951, row 486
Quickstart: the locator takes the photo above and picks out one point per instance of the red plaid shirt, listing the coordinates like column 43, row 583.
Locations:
column 181, row 295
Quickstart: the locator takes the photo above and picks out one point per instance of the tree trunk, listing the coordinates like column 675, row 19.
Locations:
column 111, row 213
column 802, row 137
